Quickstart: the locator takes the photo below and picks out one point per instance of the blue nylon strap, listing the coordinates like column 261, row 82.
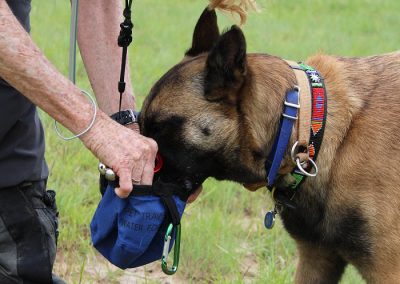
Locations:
column 289, row 116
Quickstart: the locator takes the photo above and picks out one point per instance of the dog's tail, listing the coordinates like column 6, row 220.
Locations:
column 239, row 7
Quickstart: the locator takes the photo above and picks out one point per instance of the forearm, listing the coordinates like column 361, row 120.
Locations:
column 98, row 29
column 26, row 69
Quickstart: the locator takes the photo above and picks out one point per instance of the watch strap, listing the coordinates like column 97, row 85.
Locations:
column 126, row 117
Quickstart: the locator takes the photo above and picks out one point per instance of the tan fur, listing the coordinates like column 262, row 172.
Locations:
column 360, row 157
column 358, row 161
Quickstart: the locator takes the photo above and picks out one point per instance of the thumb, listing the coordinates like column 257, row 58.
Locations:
column 125, row 183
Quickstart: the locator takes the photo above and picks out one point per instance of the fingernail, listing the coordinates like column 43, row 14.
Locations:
column 121, row 193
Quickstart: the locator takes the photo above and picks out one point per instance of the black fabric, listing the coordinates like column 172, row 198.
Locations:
column 29, row 214
column 173, row 212
column 21, row 10
column 21, row 134
column 158, row 188
column 5, row 280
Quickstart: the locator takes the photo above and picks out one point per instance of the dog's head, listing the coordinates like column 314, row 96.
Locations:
column 197, row 114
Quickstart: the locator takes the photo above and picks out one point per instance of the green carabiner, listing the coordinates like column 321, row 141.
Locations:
column 167, row 240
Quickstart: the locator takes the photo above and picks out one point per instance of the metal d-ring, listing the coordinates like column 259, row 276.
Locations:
column 292, row 154
column 307, row 173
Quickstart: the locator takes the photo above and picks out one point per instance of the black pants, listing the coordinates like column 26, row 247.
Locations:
column 28, row 234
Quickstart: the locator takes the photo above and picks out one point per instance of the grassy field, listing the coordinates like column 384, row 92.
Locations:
column 224, row 240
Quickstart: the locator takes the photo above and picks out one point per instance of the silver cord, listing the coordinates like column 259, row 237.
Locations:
column 72, row 69
column 84, row 131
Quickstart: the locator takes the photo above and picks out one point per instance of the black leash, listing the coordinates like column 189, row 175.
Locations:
column 165, row 191
column 124, row 40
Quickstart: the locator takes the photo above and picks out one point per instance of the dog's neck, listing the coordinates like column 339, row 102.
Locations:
column 268, row 80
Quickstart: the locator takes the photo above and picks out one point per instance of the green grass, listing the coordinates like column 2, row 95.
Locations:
column 223, row 236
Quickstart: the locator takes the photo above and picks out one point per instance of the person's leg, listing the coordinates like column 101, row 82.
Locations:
column 8, row 253
column 28, row 231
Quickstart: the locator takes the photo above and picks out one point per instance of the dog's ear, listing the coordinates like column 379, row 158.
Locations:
column 205, row 33
column 226, row 66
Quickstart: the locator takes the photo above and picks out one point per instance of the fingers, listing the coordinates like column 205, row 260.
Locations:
column 148, row 169
column 138, row 168
column 148, row 173
column 137, row 171
column 125, row 183
column 130, row 155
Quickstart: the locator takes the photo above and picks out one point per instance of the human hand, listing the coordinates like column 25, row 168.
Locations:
column 130, row 155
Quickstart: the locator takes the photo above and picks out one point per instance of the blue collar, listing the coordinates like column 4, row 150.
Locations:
column 289, row 116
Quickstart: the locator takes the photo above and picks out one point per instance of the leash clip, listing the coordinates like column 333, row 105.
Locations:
column 167, row 240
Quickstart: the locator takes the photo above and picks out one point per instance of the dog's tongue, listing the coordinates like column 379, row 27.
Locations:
column 254, row 186
column 195, row 194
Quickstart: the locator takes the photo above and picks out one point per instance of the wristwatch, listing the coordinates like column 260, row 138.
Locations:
column 126, row 117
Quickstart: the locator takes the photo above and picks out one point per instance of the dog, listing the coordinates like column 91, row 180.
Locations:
column 217, row 114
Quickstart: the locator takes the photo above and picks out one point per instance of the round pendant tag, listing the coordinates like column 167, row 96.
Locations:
column 269, row 219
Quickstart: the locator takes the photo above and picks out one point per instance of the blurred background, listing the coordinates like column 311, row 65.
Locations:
column 224, row 239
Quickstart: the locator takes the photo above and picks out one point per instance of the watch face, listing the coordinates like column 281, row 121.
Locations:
column 125, row 117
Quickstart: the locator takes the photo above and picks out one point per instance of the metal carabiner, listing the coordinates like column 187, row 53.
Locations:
column 167, row 240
